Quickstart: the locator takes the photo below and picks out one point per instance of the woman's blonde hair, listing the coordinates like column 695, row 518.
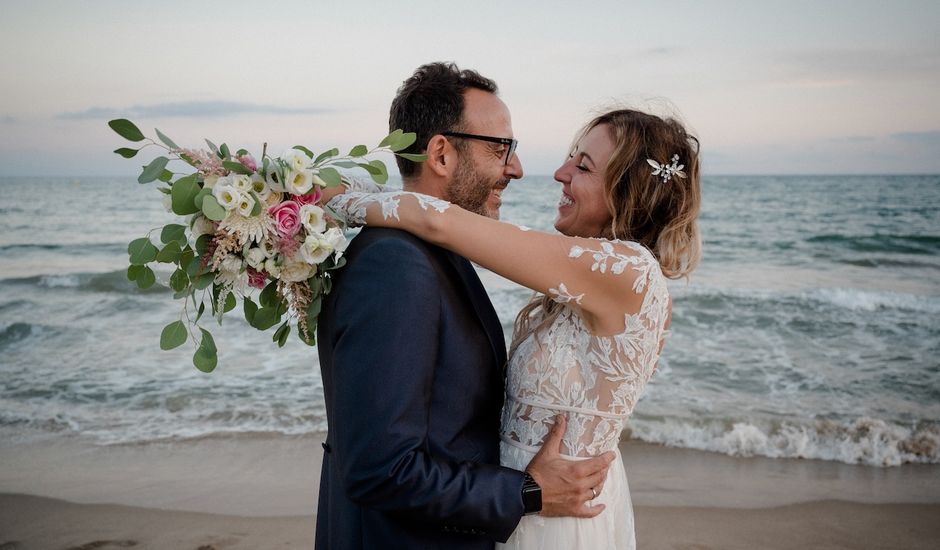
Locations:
column 660, row 215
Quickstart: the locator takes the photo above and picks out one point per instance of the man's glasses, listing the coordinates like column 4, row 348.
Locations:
column 511, row 143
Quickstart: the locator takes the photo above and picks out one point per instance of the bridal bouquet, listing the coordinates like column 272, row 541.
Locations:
column 247, row 227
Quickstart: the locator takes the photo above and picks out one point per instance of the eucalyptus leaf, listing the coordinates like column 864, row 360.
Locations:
column 197, row 200
column 413, row 157
column 212, row 209
column 203, row 281
column 250, row 309
column 206, row 357
column 153, row 170
column 223, row 151
column 268, row 296
column 202, row 244
column 266, row 318
column 345, row 164
column 358, row 151
column 202, row 309
column 170, row 253
column 166, row 141
column 237, row 167
column 404, row 141
column 372, row 170
column 256, row 209
column 183, row 193
column 141, row 251
column 326, row 154
column 134, row 271
column 306, row 151
column 194, row 267
column 230, row 303
column 280, row 335
column 330, row 176
column 173, row 335
column 126, row 152
column 391, row 138
column 146, row 278
column 126, row 129
column 165, row 176
column 179, row 280
column 212, row 147
column 173, row 232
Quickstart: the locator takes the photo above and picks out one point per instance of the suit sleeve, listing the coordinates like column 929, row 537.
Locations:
column 385, row 349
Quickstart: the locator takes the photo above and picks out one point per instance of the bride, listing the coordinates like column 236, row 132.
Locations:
column 589, row 341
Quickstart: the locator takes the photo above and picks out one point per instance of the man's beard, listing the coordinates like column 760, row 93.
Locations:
column 469, row 189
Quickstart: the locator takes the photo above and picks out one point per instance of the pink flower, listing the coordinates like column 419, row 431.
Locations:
column 312, row 197
column 257, row 279
column 248, row 162
column 286, row 218
column 288, row 246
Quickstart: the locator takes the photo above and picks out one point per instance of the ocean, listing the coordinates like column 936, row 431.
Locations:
column 811, row 328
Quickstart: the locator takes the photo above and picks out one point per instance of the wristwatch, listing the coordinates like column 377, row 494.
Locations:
column 531, row 495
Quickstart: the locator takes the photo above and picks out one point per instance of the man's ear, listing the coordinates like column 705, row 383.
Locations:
column 442, row 157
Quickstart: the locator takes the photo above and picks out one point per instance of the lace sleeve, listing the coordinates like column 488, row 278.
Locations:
column 355, row 204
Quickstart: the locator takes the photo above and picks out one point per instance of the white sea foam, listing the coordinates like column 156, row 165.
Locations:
column 862, row 441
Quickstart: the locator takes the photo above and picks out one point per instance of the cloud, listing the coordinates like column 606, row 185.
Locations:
column 852, row 139
column 926, row 138
column 189, row 109
column 7, row 119
column 664, row 50
column 844, row 66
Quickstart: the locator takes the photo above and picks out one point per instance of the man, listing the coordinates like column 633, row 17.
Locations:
column 412, row 357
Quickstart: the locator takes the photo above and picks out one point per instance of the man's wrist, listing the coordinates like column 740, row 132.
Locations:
column 531, row 495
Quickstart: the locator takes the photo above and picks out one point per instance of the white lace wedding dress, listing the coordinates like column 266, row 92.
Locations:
column 595, row 381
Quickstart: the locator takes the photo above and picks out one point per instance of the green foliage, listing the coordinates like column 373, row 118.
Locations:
column 224, row 152
column 166, row 141
column 146, row 278
column 173, row 232
column 203, row 281
column 126, row 129
column 197, row 201
column 141, row 251
column 358, row 151
column 281, row 334
column 184, row 193
column 134, row 271
column 153, row 170
column 413, row 157
column 202, row 244
column 267, row 317
column 268, row 296
column 230, row 303
column 250, row 309
column 165, row 176
column 206, row 357
column 173, row 335
column 398, row 140
column 237, row 167
column 306, row 151
column 325, row 155
column 126, row 152
column 330, row 176
column 179, row 280
column 212, row 209
column 170, row 253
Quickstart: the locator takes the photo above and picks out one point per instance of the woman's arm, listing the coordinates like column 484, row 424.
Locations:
column 602, row 279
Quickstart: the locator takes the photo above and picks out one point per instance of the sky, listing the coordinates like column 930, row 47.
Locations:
column 791, row 87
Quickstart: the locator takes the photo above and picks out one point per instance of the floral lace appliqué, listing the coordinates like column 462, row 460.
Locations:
column 562, row 296
column 354, row 204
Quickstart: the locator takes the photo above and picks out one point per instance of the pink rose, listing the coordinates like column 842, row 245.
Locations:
column 312, row 197
column 248, row 162
column 286, row 218
column 256, row 279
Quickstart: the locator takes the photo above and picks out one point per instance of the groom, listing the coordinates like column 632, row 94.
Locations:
column 412, row 357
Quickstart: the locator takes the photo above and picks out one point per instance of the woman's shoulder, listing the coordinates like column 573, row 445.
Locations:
column 621, row 258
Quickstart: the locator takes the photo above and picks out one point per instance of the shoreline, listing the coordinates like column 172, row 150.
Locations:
column 260, row 492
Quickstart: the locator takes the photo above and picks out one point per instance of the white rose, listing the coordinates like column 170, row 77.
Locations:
column 202, row 226
column 298, row 183
column 315, row 249
column 168, row 203
column 273, row 198
column 271, row 267
column 241, row 182
column 313, row 218
column 296, row 272
column 245, row 205
column 210, row 181
column 296, row 159
column 255, row 258
column 337, row 240
column 226, row 195
column 231, row 264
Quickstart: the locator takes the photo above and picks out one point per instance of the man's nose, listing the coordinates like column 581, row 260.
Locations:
column 514, row 168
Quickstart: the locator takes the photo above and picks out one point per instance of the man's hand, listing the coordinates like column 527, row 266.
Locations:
column 567, row 484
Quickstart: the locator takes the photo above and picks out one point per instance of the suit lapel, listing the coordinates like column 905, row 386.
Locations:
column 482, row 305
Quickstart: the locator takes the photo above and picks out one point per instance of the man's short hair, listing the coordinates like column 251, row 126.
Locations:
column 431, row 102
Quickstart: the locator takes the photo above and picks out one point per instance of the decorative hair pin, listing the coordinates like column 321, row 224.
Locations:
column 666, row 171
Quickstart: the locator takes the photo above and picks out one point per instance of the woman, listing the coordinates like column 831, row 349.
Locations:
column 586, row 346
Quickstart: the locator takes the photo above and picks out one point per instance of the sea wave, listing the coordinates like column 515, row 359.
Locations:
column 16, row 333
column 65, row 248
column 864, row 440
column 109, row 281
column 904, row 244
column 854, row 299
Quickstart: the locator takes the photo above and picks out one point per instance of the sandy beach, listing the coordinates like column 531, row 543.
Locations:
column 260, row 492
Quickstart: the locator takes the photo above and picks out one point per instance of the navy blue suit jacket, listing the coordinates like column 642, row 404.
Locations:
column 412, row 355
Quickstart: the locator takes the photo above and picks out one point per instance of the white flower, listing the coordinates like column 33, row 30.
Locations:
column 271, row 267
column 337, row 240
column 227, row 196
column 296, row 159
column 313, row 218
column 295, row 272
column 202, row 226
column 210, row 181
column 241, row 182
column 267, row 246
column 299, row 182
column 273, row 198
column 271, row 178
column 168, row 202
column 315, row 249
column 318, row 181
column 255, row 258
column 231, row 264
column 260, row 187
column 245, row 205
